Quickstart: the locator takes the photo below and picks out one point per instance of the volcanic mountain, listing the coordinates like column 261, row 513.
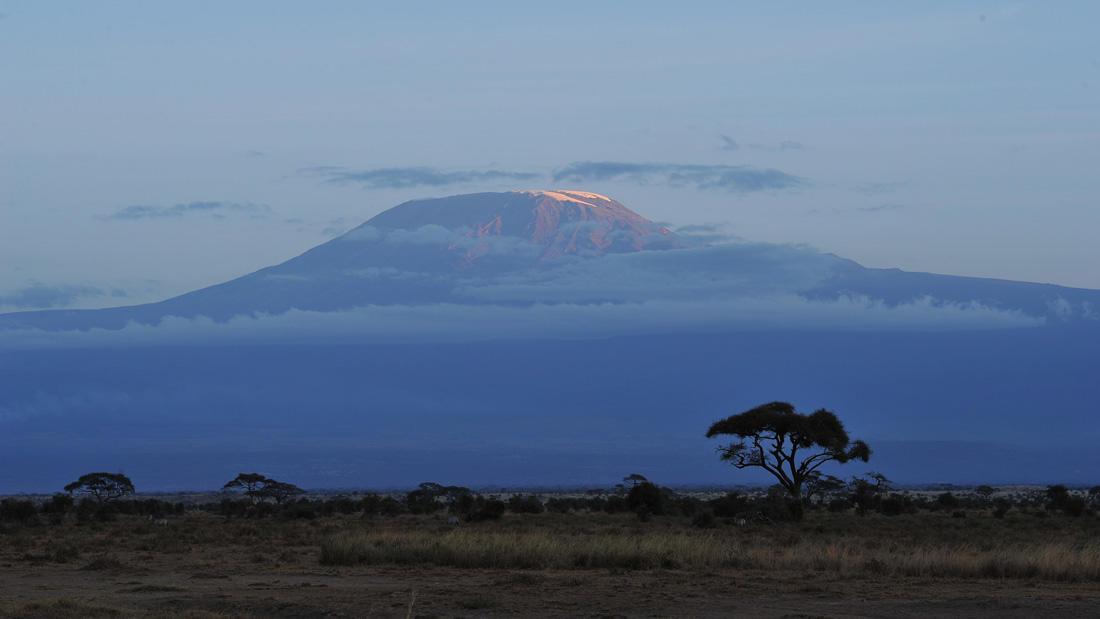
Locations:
column 522, row 248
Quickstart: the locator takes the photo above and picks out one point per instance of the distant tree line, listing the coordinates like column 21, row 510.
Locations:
column 637, row 496
column 790, row 446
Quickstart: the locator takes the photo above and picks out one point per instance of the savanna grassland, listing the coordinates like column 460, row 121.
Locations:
column 309, row 560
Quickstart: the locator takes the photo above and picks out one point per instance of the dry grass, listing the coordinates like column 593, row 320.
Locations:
column 207, row 567
column 685, row 549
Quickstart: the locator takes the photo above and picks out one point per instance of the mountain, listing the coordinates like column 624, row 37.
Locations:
column 581, row 248
column 548, row 337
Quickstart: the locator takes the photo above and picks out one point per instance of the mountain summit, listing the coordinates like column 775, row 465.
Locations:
column 560, row 222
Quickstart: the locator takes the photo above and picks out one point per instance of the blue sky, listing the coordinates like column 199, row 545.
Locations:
column 149, row 149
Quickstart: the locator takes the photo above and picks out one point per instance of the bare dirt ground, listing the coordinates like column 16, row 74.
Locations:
column 207, row 567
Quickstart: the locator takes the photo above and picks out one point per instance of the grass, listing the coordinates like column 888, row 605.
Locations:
column 705, row 550
column 208, row 567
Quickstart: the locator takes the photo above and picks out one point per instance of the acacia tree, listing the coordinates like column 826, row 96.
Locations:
column 789, row 445
column 251, row 483
column 280, row 490
column 103, row 487
column 259, row 487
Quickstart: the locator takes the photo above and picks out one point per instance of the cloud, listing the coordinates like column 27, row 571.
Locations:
column 741, row 178
column 734, row 178
column 213, row 208
column 706, row 234
column 461, row 322
column 728, row 143
column 404, row 178
column 42, row 296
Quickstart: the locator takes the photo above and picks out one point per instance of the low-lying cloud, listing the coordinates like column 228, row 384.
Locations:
column 215, row 209
column 458, row 322
column 732, row 178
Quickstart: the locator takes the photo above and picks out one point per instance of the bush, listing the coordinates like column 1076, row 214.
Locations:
column 947, row 501
column 525, row 505
column 1059, row 499
column 299, row 510
column 88, row 510
column 895, row 505
column 20, row 511
column 779, row 506
column 559, row 505
column 616, row 505
column 487, row 509
column 372, row 505
column 420, row 502
column 58, row 504
column 729, row 506
column 648, row 498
